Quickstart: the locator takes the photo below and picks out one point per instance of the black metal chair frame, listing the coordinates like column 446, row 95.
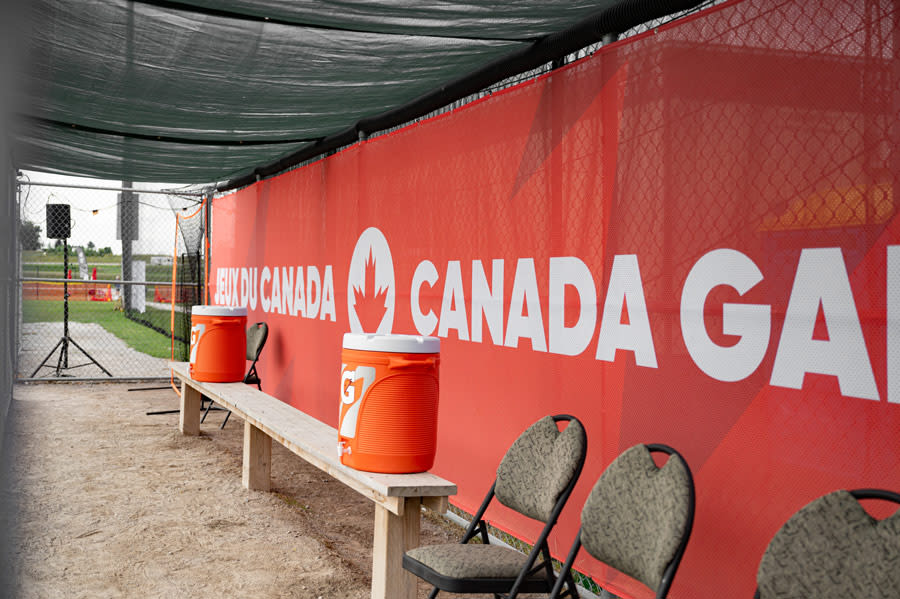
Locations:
column 529, row 579
column 861, row 494
column 565, row 576
column 251, row 378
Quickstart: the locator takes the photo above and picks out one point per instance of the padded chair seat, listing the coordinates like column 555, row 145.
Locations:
column 535, row 478
column 470, row 561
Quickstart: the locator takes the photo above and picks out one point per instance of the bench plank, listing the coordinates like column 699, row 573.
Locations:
column 316, row 442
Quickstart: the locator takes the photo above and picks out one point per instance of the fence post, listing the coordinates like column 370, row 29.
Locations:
column 128, row 218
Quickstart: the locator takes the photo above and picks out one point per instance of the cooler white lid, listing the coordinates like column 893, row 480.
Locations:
column 401, row 344
column 218, row 311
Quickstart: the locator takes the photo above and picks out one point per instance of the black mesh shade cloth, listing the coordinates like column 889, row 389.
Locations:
column 203, row 91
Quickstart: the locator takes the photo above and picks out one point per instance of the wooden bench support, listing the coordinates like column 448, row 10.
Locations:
column 257, row 468
column 189, row 420
column 398, row 498
column 394, row 536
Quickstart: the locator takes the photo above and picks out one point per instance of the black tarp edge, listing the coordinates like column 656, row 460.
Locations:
column 244, row 16
column 164, row 138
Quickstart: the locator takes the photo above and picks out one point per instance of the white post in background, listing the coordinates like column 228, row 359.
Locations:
column 138, row 293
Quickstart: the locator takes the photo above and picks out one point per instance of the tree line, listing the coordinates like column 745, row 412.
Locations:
column 30, row 239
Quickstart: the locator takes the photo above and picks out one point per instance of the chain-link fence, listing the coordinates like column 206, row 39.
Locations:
column 106, row 277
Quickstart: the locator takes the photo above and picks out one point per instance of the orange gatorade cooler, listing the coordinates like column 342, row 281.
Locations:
column 218, row 344
column 389, row 402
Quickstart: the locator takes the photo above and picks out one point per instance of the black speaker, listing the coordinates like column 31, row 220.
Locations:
column 58, row 221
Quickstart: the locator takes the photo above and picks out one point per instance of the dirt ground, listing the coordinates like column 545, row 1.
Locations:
column 116, row 503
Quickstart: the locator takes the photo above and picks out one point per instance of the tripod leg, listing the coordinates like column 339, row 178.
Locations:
column 91, row 358
column 63, row 362
column 44, row 361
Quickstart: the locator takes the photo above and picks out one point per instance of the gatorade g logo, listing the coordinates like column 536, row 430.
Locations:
column 370, row 284
column 196, row 332
column 349, row 396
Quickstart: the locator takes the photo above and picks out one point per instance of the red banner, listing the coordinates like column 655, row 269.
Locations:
column 688, row 238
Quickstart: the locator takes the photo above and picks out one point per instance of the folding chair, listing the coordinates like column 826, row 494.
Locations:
column 535, row 478
column 256, row 339
column 637, row 519
column 833, row 549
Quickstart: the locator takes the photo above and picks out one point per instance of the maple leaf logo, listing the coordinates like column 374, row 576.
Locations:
column 370, row 284
column 370, row 304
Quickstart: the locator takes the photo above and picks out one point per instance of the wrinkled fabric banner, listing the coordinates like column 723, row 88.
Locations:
column 688, row 238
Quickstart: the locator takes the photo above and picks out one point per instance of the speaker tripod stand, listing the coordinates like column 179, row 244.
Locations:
column 62, row 362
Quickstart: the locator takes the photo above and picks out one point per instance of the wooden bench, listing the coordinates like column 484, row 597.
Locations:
column 397, row 497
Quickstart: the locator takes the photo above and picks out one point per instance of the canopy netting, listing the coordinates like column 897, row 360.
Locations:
column 188, row 275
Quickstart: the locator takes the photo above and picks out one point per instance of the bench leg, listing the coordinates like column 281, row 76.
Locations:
column 394, row 536
column 189, row 420
column 257, row 459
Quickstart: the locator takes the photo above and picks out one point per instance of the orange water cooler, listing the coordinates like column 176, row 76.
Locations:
column 389, row 402
column 218, row 344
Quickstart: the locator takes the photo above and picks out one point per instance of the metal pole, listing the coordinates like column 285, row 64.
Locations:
column 126, row 222
column 208, row 248
column 85, row 379
column 15, row 294
column 91, row 282
column 123, row 188
column 64, row 352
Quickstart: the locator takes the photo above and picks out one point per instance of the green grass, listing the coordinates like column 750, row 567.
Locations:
column 110, row 317
column 163, row 319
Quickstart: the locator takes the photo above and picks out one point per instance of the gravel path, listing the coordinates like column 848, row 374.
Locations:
column 111, row 352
